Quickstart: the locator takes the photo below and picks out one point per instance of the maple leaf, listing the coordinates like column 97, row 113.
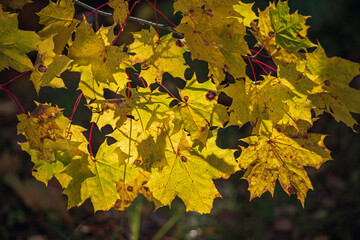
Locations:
column 213, row 36
column 49, row 143
column 283, row 34
column 121, row 10
column 59, row 23
column 288, row 27
column 190, row 174
column 144, row 146
column 18, row 4
column 157, row 56
column 97, row 178
column 15, row 43
column 271, row 99
column 48, row 66
column 245, row 10
column 89, row 48
column 197, row 110
column 281, row 157
column 333, row 94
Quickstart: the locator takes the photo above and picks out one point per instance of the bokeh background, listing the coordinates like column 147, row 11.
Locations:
column 30, row 210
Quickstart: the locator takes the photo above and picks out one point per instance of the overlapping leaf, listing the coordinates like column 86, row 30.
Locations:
column 48, row 66
column 212, row 35
column 15, row 43
column 49, row 142
column 91, row 50
column 121, row 9
column 190, row 174
column 157, row 56
column 97, row 178
column 59, row 23
column 197, row 110
column 269, row 100
column 333, row 76
column 284, row 34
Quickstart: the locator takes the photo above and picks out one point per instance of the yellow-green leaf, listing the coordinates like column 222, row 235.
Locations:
column 281, row 157
column 15, row 43
column 157, row 56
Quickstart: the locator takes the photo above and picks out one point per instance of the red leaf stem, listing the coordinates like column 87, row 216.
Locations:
column 252, row 68
column 75, row 106
column 14, row 100
column 264, row 45
column 91, row 130
column 95, row 10
column 160, row 13
column 257, row 61
column 258, row 53
column 262, row 68
column 167, row 90
column 137, row 76
column 4, row 84
column 123, row 25
column 156, row 19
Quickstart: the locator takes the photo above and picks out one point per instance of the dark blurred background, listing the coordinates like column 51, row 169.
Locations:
column 30, row 210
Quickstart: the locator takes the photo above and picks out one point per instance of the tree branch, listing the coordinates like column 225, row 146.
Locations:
column 133, row 19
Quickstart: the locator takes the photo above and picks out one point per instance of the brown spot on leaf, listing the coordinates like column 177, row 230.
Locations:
column 179, row 43
column 42, row 68
column 229, row 36
column 183, row 158
column 271, row 34
column 291, row 189
column 129, row 188
column 118, row 203
column 186, row 98
column 203, row 129
column 211, row 95
column 327, row 83
column 137, row 162
column 144, row 182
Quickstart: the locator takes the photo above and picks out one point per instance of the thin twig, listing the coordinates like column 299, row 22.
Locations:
column 131, row 18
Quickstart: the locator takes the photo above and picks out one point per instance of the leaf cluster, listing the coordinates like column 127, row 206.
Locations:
column 165, row 141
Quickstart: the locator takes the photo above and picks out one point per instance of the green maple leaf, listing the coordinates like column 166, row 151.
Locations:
column 48, row 66
column 190, row 174
column 121, row 10
column 281, row 157
column 283, row 34
column 59, row 23
column 15, row 43
column 90, row 48
column 18, row 4
column 333, row 94
column 97, row 178
column 288, row 27
column 157, row 56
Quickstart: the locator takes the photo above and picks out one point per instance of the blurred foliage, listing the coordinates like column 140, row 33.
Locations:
column 30, row 210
